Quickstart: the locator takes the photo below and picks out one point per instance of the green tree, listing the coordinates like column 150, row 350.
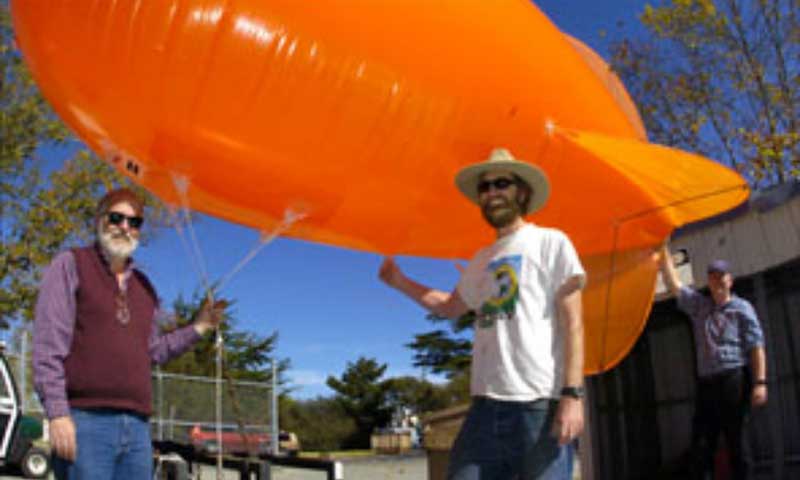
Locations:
column 362, row 395
column 441, row 352
column 40, row 214
column 321, row 424
column 246, row 357
column 457, row 389
column 447, row 352
column 419, row 395
column 720, row 77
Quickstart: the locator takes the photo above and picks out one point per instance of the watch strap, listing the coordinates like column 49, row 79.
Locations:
column 573, row 392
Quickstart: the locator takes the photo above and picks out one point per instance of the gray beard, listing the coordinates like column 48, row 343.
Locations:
column 115, row 247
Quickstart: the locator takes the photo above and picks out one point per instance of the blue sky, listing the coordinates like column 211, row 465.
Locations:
column 326, row 303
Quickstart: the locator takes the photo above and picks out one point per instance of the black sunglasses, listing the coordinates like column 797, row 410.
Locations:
column 116, row 218
column 497, row 183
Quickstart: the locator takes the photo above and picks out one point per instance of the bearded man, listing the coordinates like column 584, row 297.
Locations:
column 527, row 356
column 95, row 336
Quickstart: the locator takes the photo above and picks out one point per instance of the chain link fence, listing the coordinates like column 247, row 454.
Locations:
column 180, row 402
column 183, row 402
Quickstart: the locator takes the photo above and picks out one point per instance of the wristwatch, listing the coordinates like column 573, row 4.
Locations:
column 760, row 382
column 573, row 392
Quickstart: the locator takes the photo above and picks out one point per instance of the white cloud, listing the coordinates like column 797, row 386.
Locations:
column 307, row 378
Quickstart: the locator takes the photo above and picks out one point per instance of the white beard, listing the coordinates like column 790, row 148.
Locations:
column 119, row 246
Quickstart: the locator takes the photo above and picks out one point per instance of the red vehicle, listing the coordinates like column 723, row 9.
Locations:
column 234, row 442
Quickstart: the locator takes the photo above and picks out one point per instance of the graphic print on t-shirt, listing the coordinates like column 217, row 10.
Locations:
column 502, row 303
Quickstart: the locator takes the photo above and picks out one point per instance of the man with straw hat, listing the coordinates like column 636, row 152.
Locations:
column 527, row 356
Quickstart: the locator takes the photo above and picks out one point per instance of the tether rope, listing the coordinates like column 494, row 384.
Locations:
column 194, row 251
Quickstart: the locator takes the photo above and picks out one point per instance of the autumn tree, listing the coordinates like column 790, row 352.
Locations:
column 720, row 77
column 43, row 207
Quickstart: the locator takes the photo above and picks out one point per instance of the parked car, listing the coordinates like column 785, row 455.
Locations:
column 255, row 442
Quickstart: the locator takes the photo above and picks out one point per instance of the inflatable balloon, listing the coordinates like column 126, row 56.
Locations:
column 358, row 113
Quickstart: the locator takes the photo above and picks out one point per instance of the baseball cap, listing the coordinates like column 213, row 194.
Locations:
column 719, row 266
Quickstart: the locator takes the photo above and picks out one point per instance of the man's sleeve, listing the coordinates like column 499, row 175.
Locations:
column 467, row 287
column 690, row 301
column 752, row 333
column 53, row 326
column 164, row 346
column 567, row 263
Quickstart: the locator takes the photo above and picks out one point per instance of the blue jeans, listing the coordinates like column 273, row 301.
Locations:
column 509, row 440
column 111, row 445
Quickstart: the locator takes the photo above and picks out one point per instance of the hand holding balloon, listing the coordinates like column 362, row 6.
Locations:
column 210, row 316
column 390, row 273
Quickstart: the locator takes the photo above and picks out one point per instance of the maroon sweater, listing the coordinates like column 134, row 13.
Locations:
column 109, row 363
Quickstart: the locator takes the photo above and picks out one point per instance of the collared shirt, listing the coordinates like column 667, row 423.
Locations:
column 724, row 334
column 53, row 330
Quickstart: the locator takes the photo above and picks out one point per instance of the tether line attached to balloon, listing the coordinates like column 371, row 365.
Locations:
column 289, row 219
column 198, row 269
column 607, row 315
column 615, row 241
column 682, row 201
column 181, row 184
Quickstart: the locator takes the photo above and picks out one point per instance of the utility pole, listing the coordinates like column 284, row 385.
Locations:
column 23, row 370
column 275, row 432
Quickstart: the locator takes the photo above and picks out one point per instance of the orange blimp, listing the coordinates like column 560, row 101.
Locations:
column 358, row 114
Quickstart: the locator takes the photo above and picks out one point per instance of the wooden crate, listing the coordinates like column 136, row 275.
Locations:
column 391, row 443
column 441, row 429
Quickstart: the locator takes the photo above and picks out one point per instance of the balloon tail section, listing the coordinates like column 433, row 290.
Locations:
column 617, row 300
column 621, row 287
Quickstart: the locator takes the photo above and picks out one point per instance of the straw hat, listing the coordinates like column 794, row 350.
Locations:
column 501, row 159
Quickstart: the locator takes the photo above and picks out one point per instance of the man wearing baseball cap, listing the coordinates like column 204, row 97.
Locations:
column 527, row 357
column 731, row 365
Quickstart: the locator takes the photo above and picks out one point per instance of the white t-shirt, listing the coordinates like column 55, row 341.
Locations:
column 511, row 285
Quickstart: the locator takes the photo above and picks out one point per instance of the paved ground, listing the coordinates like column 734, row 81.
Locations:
column 406, row 467
column 384, row 467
